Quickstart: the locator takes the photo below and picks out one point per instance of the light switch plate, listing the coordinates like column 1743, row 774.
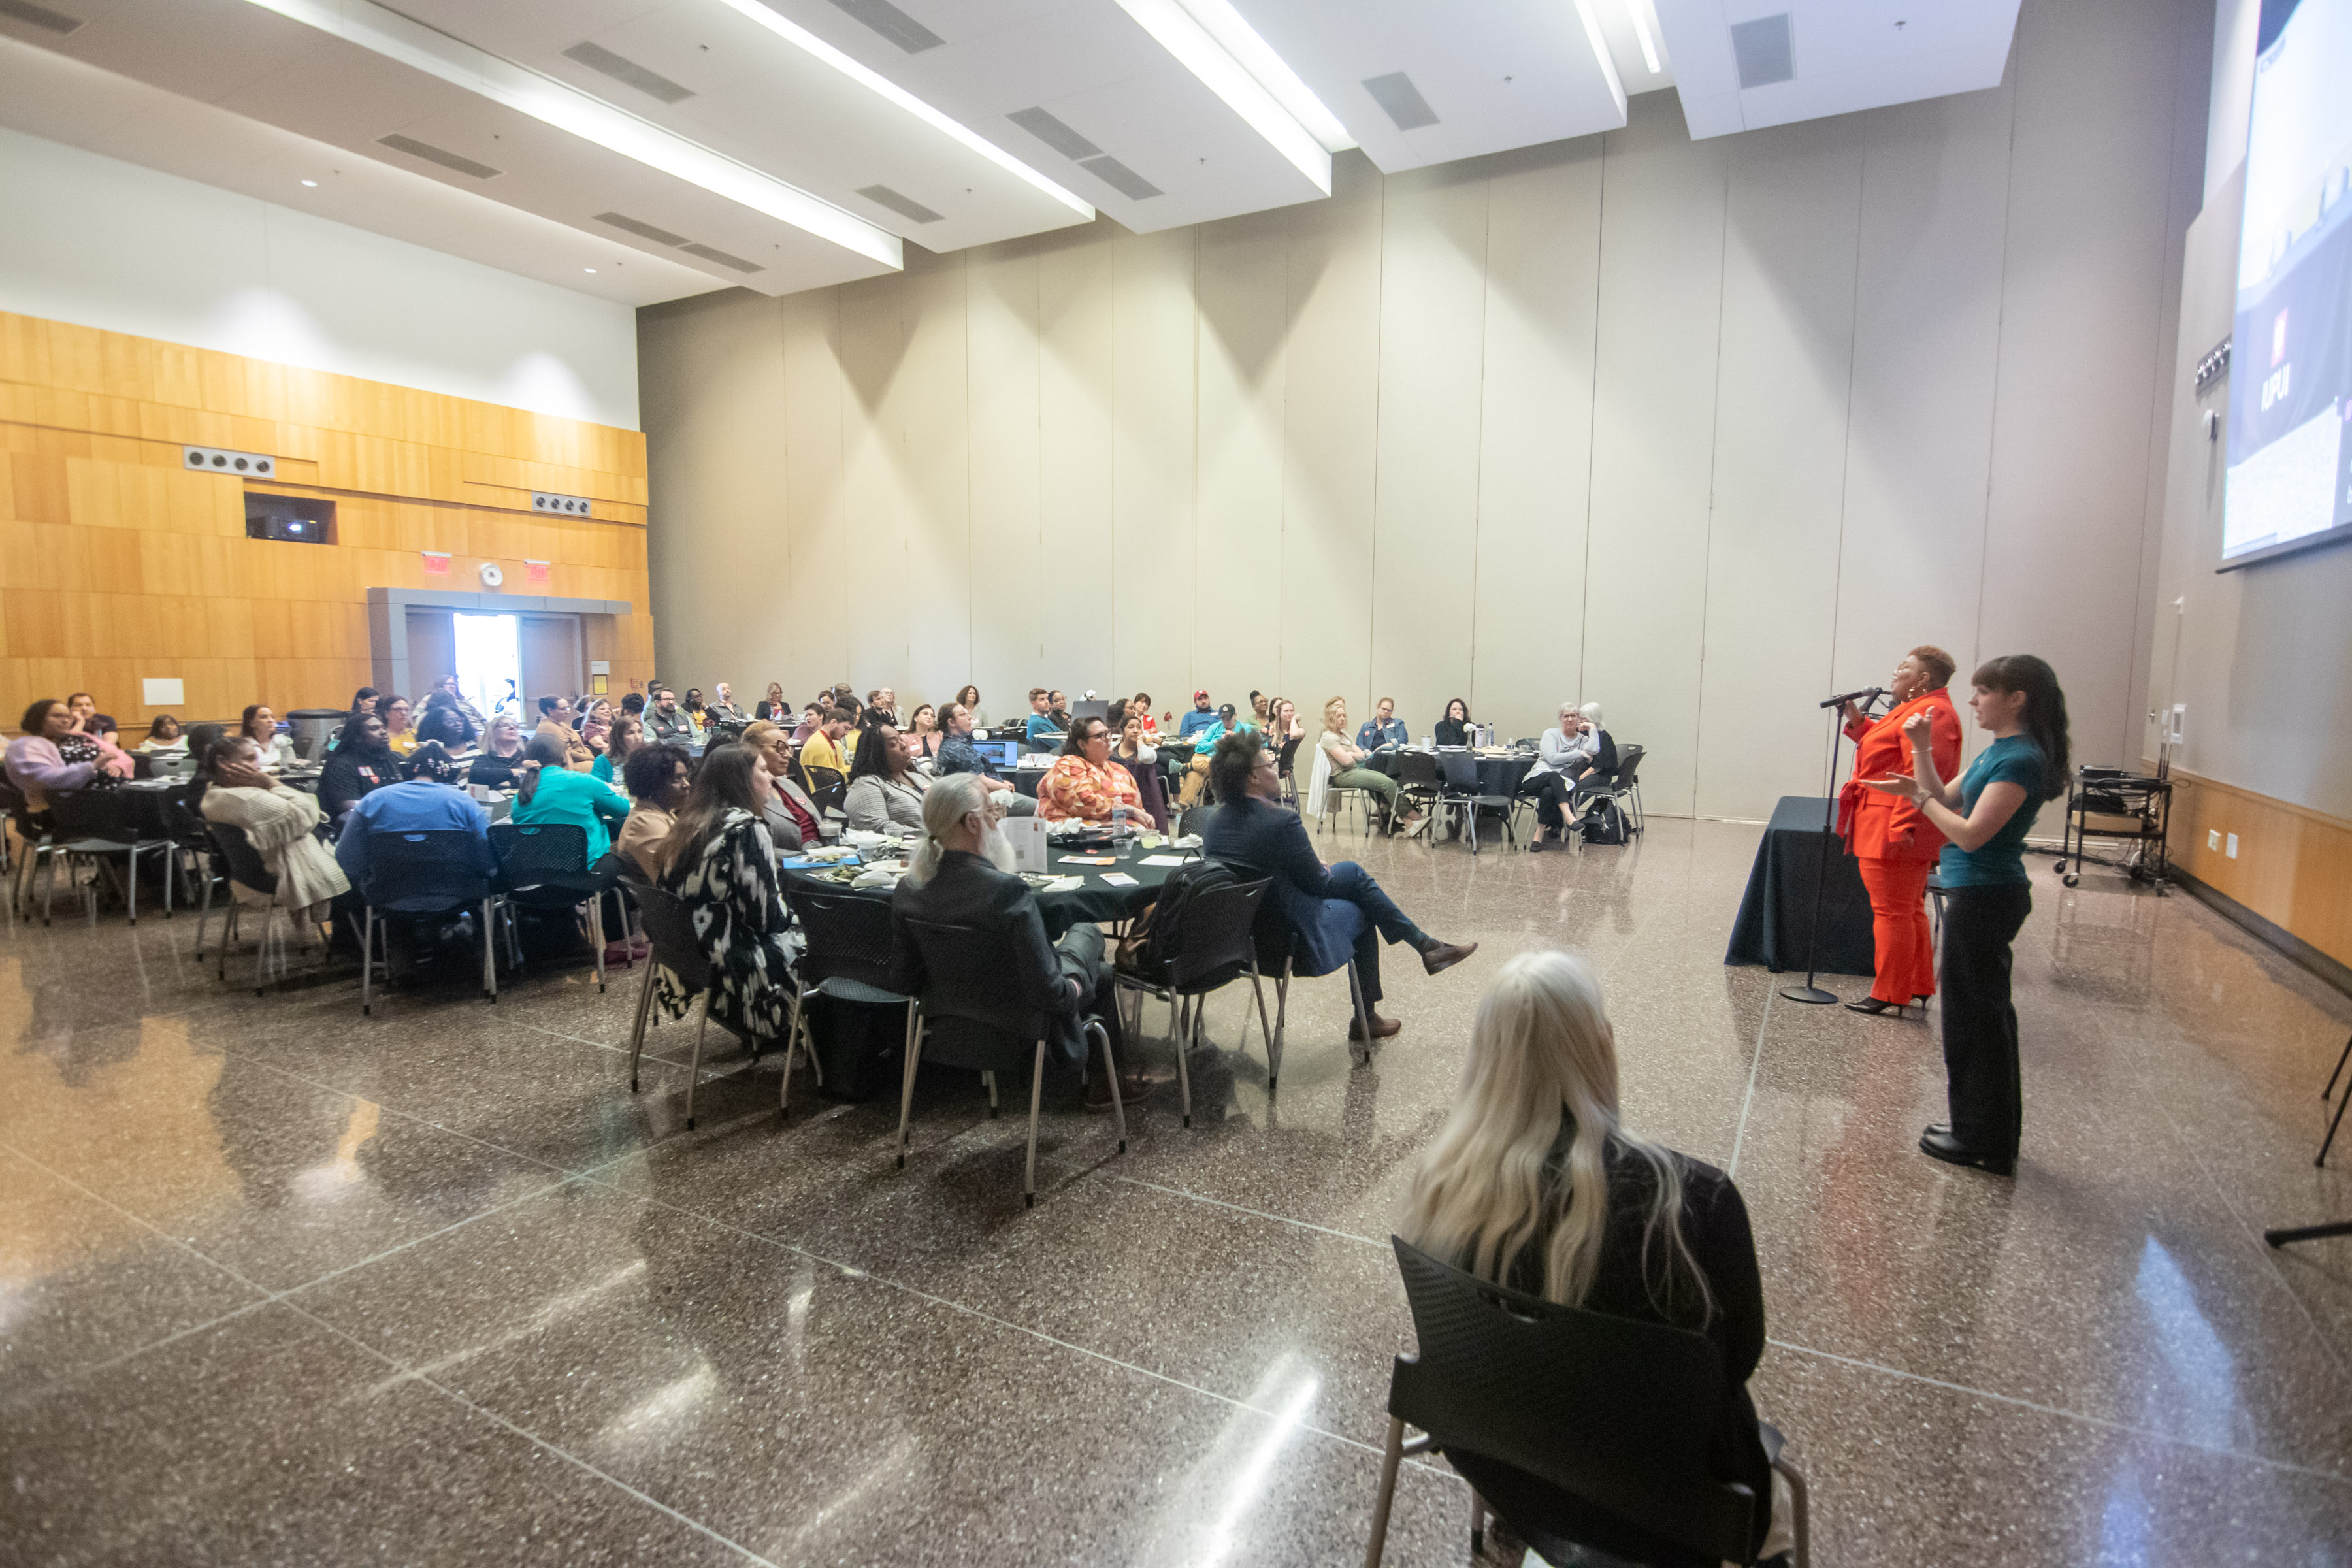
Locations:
column 2213, row 839
column 2233, row 851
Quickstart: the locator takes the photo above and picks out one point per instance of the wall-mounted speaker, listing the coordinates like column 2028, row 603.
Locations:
column 569, row 506
column 214, row 461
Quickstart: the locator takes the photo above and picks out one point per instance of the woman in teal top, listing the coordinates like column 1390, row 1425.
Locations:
column 628, row 734
column 1986, row 816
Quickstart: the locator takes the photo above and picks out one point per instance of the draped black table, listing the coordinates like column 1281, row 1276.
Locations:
column 1776, row 913
column 1092, row 899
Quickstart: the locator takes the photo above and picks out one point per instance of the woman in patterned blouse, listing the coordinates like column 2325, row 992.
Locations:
column 1084, row 783
column 719, row 860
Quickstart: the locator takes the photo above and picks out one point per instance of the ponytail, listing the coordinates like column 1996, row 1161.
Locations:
column 2043, row 719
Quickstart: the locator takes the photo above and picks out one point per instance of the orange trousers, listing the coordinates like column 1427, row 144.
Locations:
column 1898, row 925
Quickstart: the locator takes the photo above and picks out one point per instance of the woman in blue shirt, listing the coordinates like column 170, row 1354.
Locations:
column 1986, row 816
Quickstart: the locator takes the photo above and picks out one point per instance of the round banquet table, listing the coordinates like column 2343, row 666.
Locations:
column 1499, row 774
column 1094, row 899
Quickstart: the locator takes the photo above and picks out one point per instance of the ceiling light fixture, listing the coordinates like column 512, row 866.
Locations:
column 1255, row 55
column 881, row 86
column 1182, row 36
column 1642, row 31
column 381, row 32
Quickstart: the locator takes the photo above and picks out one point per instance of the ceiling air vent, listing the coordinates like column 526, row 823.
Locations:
column 1054, row 133
column 892, row 24
column 39, row 17
column 1762, row 51
column 629, row 73
column 721, row 256
column 642, row 230
column 905, row 206
column 441, row 155
column 1400, row 100
column 1120, row 178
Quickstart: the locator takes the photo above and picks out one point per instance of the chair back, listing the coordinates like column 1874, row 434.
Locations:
column 967, row 1021
column 1289, row 752
column 669, row 927
column 1615, row 1413
column 828, row 787
column 532, row 854
column 20, row 811
column 1217, row 937
column 184, row 822
column 1460, row 770
column 243, row 860
column 1148, row 786
column 422, row 871
column 1196, row 819
column 1417, row 770
column 848, row 934
column 90, row 813
column 1629, row 762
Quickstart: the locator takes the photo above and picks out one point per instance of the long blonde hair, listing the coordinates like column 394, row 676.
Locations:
column 1329, row 728
column 1542, row 1057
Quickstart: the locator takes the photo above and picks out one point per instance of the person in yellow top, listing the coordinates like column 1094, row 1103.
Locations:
column 399, row 731
column 822, row 748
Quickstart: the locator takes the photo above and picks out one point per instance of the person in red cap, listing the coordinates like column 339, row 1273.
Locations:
column 1199, row 719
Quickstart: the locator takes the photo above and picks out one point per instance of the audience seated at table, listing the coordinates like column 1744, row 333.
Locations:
column 961, row 875
column 1142, row 703
column 494, row 766
column 719, row 860
column 1205, row 741
column 52, row 754
column 555, row 718
column 628, row 734
column 1563, row 755
column 659, row 778
column 260, row 725
column 363, row 701
column 164, row 735
column 280, row 822
column 822, row 748
column 411, row 806
column 958, row 755
column 810, row 718
column 360, row 764
column 668, row 722
column 1603, row 763
column 698, row 713
column 632, row 703
column 1039, row 725
column 1533, row 1182
column 1283, row 725
column 1340, row 763
column 84, row 708
column 795, row 820
column 722, row 709
column 551, row 792
column 1382, row 729
column 969, row 699
column 923, row 739
column 885, row 790
column 772, row 707
column 595, row 726
column 1333, row 910
column 1454, row 730
column 446, row 694
column 1141, row 761
column 882, row 703
column 445, row 723
column 1057, row 709
column 1199, row 719
column 1084, row 783
column 399, row 730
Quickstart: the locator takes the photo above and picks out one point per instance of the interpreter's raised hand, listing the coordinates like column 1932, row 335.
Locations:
column 1902, row 784
column 1920, row 728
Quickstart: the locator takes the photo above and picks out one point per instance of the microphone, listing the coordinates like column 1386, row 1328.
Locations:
column 1867, row 694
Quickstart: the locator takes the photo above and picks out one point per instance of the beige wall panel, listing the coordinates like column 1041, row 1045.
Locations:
column 2083, row 282
column 1543, row 248
column 1077, row 315
column 715, row 369
column 1935, row 179
column 1154, row 453
column 1001, row 301
column 877, row 499
column 1432, row 350
column 1782, row 376
column 816, row 590
column 1653, row 435
column 1330, row 423
column 930, row 393
column 1237, row 572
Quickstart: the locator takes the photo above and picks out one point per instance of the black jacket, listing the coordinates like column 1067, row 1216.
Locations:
column 1453, row 732
column 968, row 892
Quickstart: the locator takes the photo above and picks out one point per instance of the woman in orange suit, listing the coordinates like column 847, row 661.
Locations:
column 1895, row 842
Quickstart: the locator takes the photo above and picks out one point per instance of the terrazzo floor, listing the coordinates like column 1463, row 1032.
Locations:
column 282, row 1284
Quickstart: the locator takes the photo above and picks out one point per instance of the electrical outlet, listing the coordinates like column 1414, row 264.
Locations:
column 2233, row 851
column 2213, row 839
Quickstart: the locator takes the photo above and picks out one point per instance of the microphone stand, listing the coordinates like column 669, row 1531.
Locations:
column 1809, row 992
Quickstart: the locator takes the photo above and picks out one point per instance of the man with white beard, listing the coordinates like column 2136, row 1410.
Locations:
column 961, row 875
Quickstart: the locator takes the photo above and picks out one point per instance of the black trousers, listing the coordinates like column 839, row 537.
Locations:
column 1979, row 1023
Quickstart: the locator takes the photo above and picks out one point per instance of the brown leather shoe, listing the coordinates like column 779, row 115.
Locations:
column 1445, row 956
column 1133, row 1087
column 1381, row 1028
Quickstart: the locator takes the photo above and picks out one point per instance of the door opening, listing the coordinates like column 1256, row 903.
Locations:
column 489, row 663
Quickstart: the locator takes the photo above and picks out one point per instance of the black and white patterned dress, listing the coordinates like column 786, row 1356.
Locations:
column 731, row 889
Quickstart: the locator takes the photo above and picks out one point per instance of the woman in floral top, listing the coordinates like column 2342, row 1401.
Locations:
column 1084, row 783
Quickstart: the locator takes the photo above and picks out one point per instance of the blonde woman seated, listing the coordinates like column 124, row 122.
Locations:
column 282, row 823
column 1339, row 761
column 1533, row 1183
column 1084, row 783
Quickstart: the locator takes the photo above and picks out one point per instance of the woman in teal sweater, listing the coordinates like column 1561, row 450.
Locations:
column 1986, row 816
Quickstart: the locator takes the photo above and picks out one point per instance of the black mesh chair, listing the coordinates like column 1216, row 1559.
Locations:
column 544, row 866
column 192, row 848
column 1276, row 944
column 93, row 824
column 669, row 927
column 32, row 844
column 1622, row 786
column 1337, row 799
column 1282, row 769
column 244, row 865
column 1580, row 1429
column 425, row 873
column 828, row 787
column 962, row 1019
column 1195, row 821
column 847, row 957
column 1466, row 794
column 1215, row 943
column 1418, row 782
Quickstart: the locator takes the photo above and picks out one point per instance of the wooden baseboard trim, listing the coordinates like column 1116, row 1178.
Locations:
column 2268, row 932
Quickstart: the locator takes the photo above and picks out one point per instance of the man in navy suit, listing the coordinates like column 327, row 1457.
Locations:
column 1338, row 912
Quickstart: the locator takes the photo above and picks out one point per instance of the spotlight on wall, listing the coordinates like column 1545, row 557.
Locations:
column 313, row 183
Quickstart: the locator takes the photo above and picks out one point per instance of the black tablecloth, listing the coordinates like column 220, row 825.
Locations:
column 1776, row 913
column 1095, row 900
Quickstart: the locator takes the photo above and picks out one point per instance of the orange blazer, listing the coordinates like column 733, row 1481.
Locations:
column 1886, row 827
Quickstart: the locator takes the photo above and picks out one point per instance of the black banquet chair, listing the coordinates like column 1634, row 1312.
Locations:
column 544, row 866
column 1580, row 1429
column 670, row 928
column 244, row 868
column 962, row 1019
column 93, row 824
column 423, row 873
column 1215, row 944
column 847, row 958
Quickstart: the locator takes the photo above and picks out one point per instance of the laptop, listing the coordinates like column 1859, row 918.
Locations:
column 998, row 753
column 1090, row 710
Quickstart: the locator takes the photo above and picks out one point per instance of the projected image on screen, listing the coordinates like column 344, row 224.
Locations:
column 2289, row 485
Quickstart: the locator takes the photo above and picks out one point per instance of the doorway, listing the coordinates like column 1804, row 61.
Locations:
column 487, row 663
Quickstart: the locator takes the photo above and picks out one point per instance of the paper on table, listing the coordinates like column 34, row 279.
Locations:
column 1089, row 859
column 1163, row 860
column 1118, row 879
column 1064, row 885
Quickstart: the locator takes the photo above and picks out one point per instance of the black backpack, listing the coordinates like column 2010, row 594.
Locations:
column 1164, row 923
column 1604, row 823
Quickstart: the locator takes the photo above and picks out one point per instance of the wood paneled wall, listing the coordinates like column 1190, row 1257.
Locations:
column 2293, row 866
column 117, row 565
